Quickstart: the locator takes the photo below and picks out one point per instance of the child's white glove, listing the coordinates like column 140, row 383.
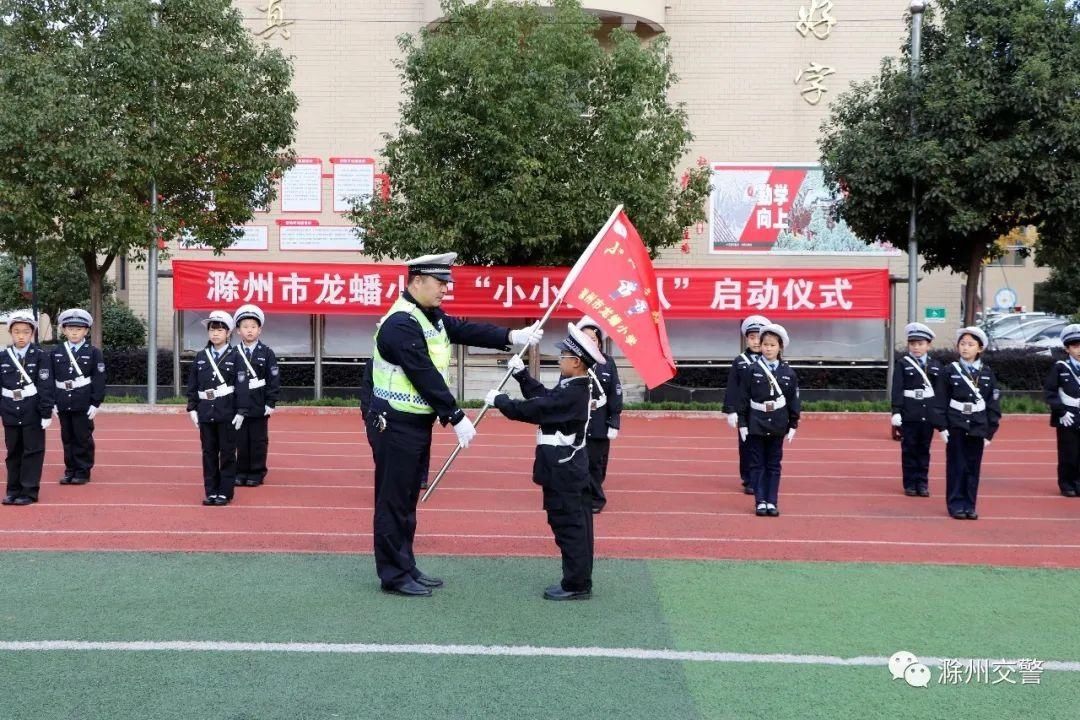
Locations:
column 743, row 432
column 46, row 422
column 986, row 442
column 944, row 435
column 237, row 421
column 91, row 412
column 896, row 420
column 790, row 435
column 1066, row 420
column 194, row 415
column 612, row 433
column 515, row 364
column 733, row 420
column 490, row 397
column 268, row 411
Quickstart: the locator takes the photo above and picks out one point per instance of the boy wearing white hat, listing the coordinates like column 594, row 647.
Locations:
column 26, row 405
column 79, row 374
column 264, row 386
column 217, row 393
column 1062, row 392
column 914, row 410
column 561, row 465
column 968, row 396
column 751, row 332
column 768, row 411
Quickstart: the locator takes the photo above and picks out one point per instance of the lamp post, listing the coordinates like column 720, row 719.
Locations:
column 152, row 263
column 917, row 7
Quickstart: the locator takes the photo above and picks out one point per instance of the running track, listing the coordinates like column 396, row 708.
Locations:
column 673, row 493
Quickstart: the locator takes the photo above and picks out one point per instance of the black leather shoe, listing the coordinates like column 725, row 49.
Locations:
column 23, row 500
column 924, row 491
column 972, row 515
column 209, row 500
column 254, row 482
column 409, row 588
column 748, row 490
column 958, row 515
column 423, row 484
column 773, row 512
column 428, row 581
column 597, row 509
column 761, row 510
column 79, row 481
column 66, row 480
column 222, row 500
column 556, row 592
column 9, row 500
column 1069, row 493
column 911, row 493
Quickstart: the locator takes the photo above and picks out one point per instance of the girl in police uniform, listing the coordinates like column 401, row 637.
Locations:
column 768, row 412
column 1062, row 387
column 751, row 332
column 969, row 399
column 914, row 410
column 79, row 372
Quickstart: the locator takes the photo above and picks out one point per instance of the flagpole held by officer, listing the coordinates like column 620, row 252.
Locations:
column 409, row 392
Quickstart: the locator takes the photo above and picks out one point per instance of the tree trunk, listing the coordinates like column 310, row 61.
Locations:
column 95, row 274
column 971, row 288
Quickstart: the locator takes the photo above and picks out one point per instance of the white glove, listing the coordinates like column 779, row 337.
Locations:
column 944, row 435
column 1066, row 420
column 267, row 410
column 733, row 420
column 46, row 422
column 530, row 335
column 466, row 431
column 237, row 421
column 986, row 442
column 489, row 399
column 612, row 433
column 790, row 435
column 194, row 415
column 515, row 364
column 896, row 420
column 91, row 412
column 743, row 432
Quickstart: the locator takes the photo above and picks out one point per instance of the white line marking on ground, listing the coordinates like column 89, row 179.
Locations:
column 474, row 650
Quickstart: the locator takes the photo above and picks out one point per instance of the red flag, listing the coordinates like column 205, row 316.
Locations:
column 615, row 284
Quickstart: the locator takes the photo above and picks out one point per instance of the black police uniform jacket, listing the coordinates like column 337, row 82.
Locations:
column 609, row 414
column 563, row 408
column 201, row 376
column 738, row 365
column 92, row 364
column 917, row 409
column 953, row 387
column 29, row 411
column 755, row 386
column 1066, row 379
column 265, row 364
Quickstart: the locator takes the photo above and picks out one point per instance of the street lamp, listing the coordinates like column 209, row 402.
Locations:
column 152, row 260
column 917, row 7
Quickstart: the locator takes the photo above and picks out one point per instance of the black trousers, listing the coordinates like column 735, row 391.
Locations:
column 766, row 452
column 252, row 445
column 218, row 457
column 25, row 456
column 744, row 461
column 915, row 439
column 963, row 462
column 1068, row 453
column 402, row 455
column 77, row 434
column 598, row 449
column 569, row 513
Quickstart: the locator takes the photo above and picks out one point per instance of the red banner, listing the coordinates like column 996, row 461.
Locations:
column 527, row 292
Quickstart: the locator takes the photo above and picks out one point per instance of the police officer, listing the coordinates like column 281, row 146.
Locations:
column 26, row 387
column 1062, row 392
column 264, row 386
column 79, row 372
column 606, row 415
column 560, row 466
column 968, row 396
column 751, row 331
column 410, row 367
column 914, row 409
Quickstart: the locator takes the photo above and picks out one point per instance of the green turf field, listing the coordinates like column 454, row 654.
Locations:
column 756, row 608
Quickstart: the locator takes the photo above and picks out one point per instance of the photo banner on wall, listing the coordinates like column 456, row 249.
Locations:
column 782, row 208
column 524, row 292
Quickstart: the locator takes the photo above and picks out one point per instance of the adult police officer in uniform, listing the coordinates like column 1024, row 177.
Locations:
column 410, row 367
column 79, row 372
column 915, row 411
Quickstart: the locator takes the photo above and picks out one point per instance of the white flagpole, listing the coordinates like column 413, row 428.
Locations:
column 570, row 278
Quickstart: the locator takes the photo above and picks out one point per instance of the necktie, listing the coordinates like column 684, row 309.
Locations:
column 247, row 352
column 215, row 353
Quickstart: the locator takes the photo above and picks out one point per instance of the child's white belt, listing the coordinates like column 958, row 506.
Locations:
column 968, row 407
column 919, row 394
column 219, row 391
column 256, row 383
column 770, row 405
column 1068, row 399
column 23, row 392
column 556, row 440
column 72, row 384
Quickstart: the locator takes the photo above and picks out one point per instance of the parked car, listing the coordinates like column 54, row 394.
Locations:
column 999, row 324
column 1049, row 337
column 1043, row 332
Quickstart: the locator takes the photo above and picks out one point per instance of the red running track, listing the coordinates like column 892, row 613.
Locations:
column 673, row 492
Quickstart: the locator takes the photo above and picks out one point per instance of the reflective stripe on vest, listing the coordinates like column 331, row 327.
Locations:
column 389, row 381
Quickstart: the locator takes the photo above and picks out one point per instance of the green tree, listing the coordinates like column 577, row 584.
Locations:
column 61, row 284
column 995, row 142
column 519, row 133
column 98, row 98
column 1059, row 293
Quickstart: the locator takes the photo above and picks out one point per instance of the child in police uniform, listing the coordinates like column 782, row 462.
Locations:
column 968, row 397
column 606, row 415
column 561, row 465
column 26, row 404
column 79, row 372
column 768, row 411
column 751, row 332
column 264, row 385
column 217, row 393
column 1062, row 388
column 914, row 410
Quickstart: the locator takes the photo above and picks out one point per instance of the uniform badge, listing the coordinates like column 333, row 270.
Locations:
column 101, row 367
column 997, row 394
column 43, row 373
column 241, row 376
column 274, row 370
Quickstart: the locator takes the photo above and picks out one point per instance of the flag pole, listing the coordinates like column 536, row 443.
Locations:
column 570, row 277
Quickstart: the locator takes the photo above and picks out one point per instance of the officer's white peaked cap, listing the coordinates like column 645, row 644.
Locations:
column 918, row 331
column 437, row 266
column 581, row 345
column 754, row 323
column 777, row 330
column 21, row 317
column 974, row 332
column 219, row 316
column 245, row 312
column 1070, row 334
column 77, row 317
